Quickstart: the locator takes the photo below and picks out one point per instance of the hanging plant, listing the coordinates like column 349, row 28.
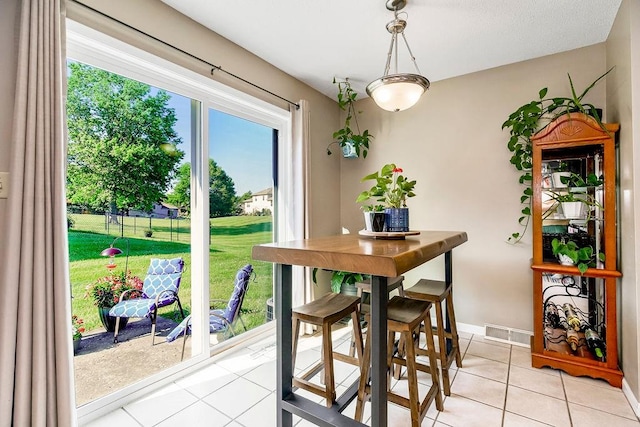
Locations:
column 525, row 122
column 346, row 137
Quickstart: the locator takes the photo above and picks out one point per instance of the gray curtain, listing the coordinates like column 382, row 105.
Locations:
column 36, row 365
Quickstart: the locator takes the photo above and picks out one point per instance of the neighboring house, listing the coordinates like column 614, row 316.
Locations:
column 259, row 202
column 160, row 210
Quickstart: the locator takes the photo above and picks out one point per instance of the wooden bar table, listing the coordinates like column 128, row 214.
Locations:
column 381, row 259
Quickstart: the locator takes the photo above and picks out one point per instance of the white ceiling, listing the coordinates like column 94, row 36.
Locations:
column 317, row 40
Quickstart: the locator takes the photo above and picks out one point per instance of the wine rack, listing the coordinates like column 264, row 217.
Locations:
column 574, row 220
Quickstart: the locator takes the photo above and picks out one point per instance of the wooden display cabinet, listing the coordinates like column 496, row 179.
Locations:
column 577, row 145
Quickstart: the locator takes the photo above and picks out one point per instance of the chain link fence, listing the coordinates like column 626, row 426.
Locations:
column 171, row 229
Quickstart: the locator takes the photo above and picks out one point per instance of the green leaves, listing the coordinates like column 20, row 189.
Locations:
column 529, row 119
column 391, row 188
column 582, row 257
column 346, row 136
column 118, row 134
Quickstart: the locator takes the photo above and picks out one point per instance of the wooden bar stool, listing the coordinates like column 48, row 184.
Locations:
column 437, row 292
column 324, row 312
column 365, row 288
column 404, row 316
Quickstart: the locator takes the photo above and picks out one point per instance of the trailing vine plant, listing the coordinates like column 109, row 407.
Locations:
column 525, row 122
column 346, row 135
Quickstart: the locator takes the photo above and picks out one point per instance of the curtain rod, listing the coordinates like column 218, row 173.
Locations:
column 213, row 66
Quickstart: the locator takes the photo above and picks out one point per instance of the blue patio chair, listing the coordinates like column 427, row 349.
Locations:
column 220, row 320
column 159, row 289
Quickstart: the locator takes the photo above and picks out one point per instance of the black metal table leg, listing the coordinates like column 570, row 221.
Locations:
column 378, row 335
column 283, row 343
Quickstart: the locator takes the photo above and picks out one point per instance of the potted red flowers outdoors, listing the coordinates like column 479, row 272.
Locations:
column 77, row 328
column 106, row 293
column 392, row 189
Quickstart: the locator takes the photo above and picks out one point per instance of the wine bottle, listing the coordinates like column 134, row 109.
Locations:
column 594, row 342
column 573, row 339
column 551, row 314
column 572, row 318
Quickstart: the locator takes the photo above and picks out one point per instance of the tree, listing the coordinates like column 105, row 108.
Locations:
column 122, row 145
column 222, row 193
column 180, row 196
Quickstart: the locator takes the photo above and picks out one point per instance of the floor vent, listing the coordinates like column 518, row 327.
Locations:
column 507, row 335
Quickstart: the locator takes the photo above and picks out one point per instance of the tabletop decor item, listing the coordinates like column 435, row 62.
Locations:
column 106, row 292
column 374, row 217
column 392, row 189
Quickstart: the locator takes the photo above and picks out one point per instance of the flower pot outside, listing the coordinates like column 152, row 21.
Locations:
column 397, row 219
column 76, row 345
column 378, row 221
column 109, row 322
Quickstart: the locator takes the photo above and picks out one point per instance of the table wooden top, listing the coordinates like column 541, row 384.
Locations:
column 359, row 254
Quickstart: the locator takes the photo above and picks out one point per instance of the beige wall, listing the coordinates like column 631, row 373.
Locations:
column 622, row 96
column 8, row 60
column 180, row 31
column 453, row 145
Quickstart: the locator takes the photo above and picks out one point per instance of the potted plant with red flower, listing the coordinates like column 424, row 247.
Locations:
column 106, row 293
column 392, row 189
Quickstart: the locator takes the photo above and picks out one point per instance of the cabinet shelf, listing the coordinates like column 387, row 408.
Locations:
column 586, row 149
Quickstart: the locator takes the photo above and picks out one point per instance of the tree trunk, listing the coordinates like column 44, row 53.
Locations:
column 113, row 214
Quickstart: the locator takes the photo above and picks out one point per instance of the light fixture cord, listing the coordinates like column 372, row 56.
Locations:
column 413, row 58
column 393, row 42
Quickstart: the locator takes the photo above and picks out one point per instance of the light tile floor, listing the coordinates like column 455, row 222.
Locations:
column 495, row 387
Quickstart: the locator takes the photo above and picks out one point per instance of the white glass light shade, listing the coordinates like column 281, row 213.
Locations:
column 397, row 92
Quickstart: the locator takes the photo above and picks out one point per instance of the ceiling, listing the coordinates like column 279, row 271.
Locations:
column 317, row 40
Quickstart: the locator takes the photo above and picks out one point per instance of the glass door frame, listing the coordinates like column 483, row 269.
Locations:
column 100, row 50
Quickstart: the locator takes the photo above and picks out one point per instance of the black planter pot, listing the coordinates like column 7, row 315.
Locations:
column 377, row 221
column 109, row 322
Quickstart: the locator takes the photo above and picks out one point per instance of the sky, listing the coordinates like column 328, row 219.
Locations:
column 240, row 147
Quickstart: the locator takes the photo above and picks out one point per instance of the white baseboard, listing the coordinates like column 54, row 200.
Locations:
column 633, row 401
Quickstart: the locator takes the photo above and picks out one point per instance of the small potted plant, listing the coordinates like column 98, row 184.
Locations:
column 392, row 189
column 373, row 217
column 77, row 329
column 576, row 201
column 351, row 142
column 569, row 253
column 106, row 293
column 343, row 281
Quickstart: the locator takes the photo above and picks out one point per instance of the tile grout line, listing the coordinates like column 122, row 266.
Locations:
column 506, row 390
column 566, row 399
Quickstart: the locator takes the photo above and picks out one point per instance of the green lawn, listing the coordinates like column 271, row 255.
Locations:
column 230, row 248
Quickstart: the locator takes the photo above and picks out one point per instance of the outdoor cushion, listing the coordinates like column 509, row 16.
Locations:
column 221, row 320
column 159, row 289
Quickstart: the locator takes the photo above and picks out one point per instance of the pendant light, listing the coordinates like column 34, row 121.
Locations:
column 398, row 91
